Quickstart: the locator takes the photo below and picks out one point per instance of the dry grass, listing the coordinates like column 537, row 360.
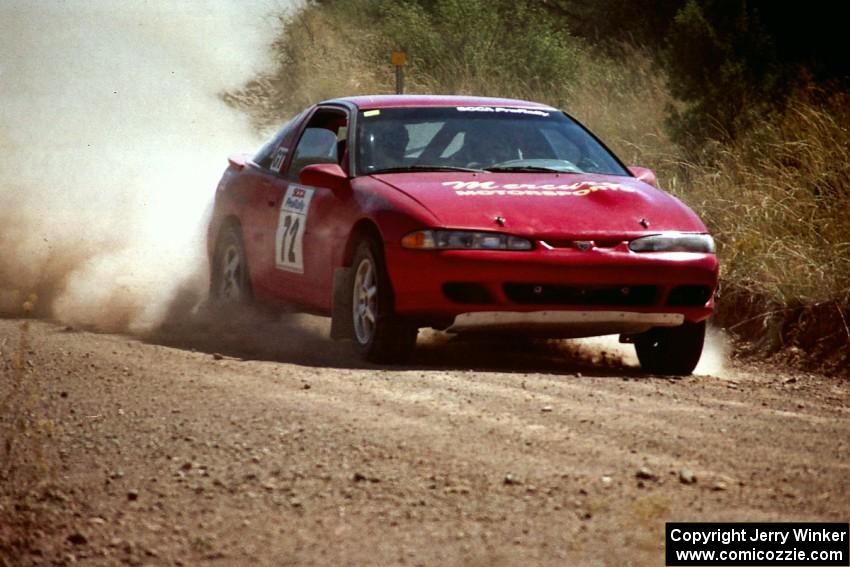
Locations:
column 321, row 55
column 624, row 100
column 778, row 203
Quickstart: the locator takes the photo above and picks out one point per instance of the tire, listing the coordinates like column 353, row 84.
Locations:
column 671, row 351
column 379, row 335
column 230, row 284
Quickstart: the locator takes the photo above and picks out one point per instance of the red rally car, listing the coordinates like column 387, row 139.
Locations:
column 467, row 214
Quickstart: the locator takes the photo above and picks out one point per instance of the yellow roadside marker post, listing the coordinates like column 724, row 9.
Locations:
column 399, row 58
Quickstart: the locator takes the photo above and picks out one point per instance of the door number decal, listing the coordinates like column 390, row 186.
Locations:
column 289, row 241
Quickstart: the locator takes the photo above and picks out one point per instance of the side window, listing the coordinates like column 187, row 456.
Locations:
column 323, row 141
column 273, row 152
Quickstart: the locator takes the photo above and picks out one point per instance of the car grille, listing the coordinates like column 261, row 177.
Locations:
column 689, row 296
column 615, row 295
column 467, row 292
column 581, row 244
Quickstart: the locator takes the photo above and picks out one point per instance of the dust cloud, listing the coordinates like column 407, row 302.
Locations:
column 112, row 139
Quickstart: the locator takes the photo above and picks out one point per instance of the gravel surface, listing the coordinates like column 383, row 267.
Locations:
column 278, row 448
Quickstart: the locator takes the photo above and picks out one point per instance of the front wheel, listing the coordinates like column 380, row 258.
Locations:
column 671, row 351
column 379, row 334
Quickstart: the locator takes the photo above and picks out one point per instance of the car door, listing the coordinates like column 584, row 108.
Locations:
column 262, row 176
column 305, row 237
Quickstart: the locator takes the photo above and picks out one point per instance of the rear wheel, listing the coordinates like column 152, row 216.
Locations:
column 379, row 334
column 229, row 282
column 671, row 350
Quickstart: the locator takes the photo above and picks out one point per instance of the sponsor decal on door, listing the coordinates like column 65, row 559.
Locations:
column 289, row 242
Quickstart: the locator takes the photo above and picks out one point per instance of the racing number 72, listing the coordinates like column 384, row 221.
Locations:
column 289, row 240
column 287, row 244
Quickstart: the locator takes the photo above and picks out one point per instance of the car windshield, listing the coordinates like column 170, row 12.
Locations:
column 478, row 138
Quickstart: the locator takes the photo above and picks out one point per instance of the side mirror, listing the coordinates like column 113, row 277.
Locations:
column 644, row 174
column 328, row 175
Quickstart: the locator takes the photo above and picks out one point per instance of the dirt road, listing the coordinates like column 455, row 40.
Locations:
column 225, row 452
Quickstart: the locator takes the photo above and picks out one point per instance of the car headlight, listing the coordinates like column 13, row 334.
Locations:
column 674, row 242
column 463, row 240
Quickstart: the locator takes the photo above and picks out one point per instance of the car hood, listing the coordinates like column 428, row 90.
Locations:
column 541, row 204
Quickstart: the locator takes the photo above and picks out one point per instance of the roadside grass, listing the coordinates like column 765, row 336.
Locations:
column 623, row 98
column 777, row 200
column 778, row 203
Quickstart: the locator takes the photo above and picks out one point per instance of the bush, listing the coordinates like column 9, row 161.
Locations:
column 722, row 64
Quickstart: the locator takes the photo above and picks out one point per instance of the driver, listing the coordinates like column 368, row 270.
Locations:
column 500, row 147
column 491, row 146
column 387, row 142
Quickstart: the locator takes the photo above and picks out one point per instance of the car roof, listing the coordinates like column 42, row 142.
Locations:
column 368, row 102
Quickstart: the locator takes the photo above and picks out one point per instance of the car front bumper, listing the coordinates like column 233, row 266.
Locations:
column 438, row 286
column 562, row 324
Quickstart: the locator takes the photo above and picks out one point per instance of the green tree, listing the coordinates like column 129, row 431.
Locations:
column 722, row 64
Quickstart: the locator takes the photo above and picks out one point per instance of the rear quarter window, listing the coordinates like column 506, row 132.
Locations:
column 272, row 154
